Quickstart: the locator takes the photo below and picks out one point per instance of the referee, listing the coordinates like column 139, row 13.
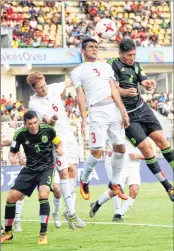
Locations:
column 143, row 123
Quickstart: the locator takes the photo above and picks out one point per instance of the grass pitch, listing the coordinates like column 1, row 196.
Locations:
column 152, row 208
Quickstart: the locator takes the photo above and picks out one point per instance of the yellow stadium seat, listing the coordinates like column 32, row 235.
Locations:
column 168, row 31
column 39, row 27
column 120, row 15
column 131, row 15
column 19, row 9
column 26, row 9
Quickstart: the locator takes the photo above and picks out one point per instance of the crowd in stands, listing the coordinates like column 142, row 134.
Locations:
column 38, row 23
column 12, row 110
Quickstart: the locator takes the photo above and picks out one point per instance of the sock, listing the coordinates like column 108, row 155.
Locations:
column 104, row 198
column 66, row 193
column 57, row 203
column 154, row 167
column 116, row 204
column 168, row 154
column 89, row 166
column 19, row 205
column 9, row 215
column 73, row 190
column 125, row 206
column 117, row 167
column 108, row 166
column 44, row 214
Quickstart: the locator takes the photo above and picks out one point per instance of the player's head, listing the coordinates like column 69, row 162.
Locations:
column 127, row 51
column 36, row 80
column 89, row 49
column 31, row 122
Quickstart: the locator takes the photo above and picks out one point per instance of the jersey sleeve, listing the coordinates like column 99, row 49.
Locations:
column 141, row 75
column 76, row 78
column 58, row 87
column 111, row 72
column 16, row 142
column 115, row 68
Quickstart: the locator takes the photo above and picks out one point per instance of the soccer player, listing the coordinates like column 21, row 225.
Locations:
column 48, row 105
column 94, row 83
column 37, row 140
column 143, row 122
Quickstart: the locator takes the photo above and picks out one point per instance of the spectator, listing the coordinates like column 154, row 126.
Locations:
column 3, row 100
column 33, row 23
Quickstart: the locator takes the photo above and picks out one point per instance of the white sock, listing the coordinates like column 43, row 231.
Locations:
column 116, row 203
column 104, row 197
column 108, row 166
column 66, row 193
column 89, row 166
column 73, row 190
column 57, row 203
column 125, row 206
column 19, row 205
column 117, row 162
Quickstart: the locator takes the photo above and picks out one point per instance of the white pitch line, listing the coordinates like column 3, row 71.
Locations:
column 115, row 223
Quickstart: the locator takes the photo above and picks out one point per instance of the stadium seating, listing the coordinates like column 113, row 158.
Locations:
column 81, row 17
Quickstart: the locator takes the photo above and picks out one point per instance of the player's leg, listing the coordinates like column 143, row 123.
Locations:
column 72, row 180
column 137, row 136
column 71, row 217
column 117, row 136
column 44, row 182
column 24, row 185
column 98, row 126
column 19, row 206
column 133, row 180
column 57, row 200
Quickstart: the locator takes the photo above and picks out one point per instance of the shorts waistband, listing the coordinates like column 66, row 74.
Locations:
column 136, row 108
column 102, row 103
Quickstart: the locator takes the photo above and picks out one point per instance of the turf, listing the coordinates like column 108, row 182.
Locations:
column 152, row 207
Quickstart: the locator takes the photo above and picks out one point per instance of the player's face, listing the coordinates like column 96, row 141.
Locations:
column 91, row 51
column 32, row 125
column 41, row 88
column 128, row 57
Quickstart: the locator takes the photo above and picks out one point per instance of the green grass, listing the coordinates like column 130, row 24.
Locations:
column 152, row 207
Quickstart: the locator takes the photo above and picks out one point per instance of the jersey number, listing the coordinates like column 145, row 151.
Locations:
column 58, row 162
column 97, row 72
column 93, row 138
column 55, row 108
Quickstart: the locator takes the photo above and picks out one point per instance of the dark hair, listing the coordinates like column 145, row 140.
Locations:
column 86, row 41
column 127, row 45
column 30, row 115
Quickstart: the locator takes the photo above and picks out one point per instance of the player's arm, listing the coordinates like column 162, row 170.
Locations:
column 118, row 101
column 6, row 142
column 81, row 100
column 148, row 84
column 56, row 141
column 14, row 148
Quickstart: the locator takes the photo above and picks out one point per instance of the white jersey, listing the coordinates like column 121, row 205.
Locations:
column 128, row 162
column 51, row 105
column 94, row 78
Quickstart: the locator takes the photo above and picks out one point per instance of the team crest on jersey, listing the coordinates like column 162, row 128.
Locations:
column 44, row 139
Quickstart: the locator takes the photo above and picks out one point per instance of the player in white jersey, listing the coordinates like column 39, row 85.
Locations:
column 130, row 176
column 48, row 104
column 94, row 83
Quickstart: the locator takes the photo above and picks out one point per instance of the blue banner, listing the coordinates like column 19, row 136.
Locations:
column 67, row 56
column 98, row 177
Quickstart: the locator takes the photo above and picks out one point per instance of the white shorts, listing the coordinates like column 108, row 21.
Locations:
column 56, row 178
column 105, row 120
column 131, row 177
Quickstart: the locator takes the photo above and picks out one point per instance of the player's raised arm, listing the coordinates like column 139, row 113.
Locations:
column 15, row 147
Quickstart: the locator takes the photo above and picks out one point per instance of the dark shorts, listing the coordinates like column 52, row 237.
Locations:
column 142, row 123
column 27, row 180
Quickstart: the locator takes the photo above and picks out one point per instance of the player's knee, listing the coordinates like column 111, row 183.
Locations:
column 146, row 148
column 133, row 191
column 119, row 148
column 44, row 192
column 64, row 174
column 13, row 196
column 97, row 153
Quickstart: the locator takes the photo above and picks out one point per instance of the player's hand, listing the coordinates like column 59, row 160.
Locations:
column 130, row 92
column 149, row 84
column 83, row 128
column 125, row 121
column 20, row 159
column 53, row 120
column 133, row 156
column 13, row 160
column 59, row 149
